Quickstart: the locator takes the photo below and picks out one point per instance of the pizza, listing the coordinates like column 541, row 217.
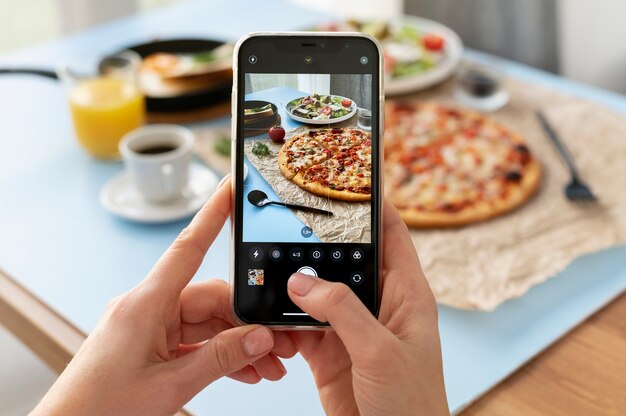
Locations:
column 450, row 167
column 334, row 163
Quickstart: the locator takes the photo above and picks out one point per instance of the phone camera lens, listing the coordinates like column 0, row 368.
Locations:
column 364, row 60
column 308, row 60
column 253, row 59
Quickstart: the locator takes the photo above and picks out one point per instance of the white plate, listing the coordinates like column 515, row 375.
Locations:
column 445, row 68
column 352, row 112
column 119, row 197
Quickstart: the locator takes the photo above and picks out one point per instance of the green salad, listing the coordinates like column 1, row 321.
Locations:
column 408, row 50
column 320, row 107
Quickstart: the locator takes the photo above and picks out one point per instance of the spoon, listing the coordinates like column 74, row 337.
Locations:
column 260, row 199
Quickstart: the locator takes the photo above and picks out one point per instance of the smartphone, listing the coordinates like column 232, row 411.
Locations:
column 307, row 146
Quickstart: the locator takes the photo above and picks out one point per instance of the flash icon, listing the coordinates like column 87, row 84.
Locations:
column 256, row 254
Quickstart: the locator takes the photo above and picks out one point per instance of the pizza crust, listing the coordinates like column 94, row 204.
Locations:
column 326, row 192
column 283, row 164
column 518, row 195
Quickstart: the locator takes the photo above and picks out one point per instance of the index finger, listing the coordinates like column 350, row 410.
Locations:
column 182, row 259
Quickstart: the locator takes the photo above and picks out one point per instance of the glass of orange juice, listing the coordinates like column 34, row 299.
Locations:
column 105, row 102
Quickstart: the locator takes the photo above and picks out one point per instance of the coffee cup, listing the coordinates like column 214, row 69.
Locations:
column 157, row 157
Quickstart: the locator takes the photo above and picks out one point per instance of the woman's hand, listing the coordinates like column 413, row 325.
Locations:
column 161, row 343
column 389, row 366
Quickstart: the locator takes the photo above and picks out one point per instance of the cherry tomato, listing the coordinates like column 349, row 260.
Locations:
column 277, row 134
column 329, row 27
column 390, row 63
column 346, row 103
column 433, row 42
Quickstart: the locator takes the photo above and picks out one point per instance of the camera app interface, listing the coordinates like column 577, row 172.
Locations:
column 307, row 185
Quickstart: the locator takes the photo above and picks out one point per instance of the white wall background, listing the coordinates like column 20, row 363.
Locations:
column 592, row 33
column 593, row 42
column 358, row 9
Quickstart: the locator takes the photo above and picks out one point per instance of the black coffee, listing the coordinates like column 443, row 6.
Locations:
column 156, row 149
column 480, row 84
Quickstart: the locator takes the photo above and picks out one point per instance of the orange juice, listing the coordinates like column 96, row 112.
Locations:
column 103, row 110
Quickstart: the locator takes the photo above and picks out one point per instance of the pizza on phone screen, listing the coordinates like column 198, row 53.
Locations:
column 334, row 163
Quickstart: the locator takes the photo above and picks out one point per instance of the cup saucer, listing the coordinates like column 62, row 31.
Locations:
column 119, row 197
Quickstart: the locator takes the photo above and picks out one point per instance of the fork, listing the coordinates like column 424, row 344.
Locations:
column 576, row 190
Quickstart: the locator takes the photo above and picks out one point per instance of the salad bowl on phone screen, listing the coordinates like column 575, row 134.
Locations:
column 321, row 109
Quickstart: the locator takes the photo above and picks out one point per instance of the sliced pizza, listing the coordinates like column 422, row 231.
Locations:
column 334, row 163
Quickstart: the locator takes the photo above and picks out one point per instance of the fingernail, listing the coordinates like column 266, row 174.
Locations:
column 300, row 284
column 223, row 181
column 281, row 366
column 257, row 342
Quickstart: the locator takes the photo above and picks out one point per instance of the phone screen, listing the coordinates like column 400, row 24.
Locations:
column 307, row 151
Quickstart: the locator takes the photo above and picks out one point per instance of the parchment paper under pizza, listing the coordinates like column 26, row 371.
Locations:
column 311, row 156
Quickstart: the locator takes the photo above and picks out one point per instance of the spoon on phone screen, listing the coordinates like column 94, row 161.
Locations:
column 260, row 199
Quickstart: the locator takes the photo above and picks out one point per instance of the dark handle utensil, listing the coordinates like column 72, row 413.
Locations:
column 105, row 65
column 260, row 199
column 303, row 208
column 576, row 190
column 30, row 71
column 558, row 144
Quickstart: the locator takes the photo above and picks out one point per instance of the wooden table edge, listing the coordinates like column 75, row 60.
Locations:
column 49, row 335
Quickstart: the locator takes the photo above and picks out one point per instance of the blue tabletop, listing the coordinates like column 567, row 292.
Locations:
column 59, row 242
column 272, row 223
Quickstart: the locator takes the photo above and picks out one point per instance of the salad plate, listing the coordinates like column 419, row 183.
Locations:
column 321, row 109
column 418, row 52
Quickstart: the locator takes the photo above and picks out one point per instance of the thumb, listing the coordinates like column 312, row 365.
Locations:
column 337, row 304
column 227, row 352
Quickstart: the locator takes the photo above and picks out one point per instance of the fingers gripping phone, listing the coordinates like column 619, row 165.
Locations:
column 307, row 135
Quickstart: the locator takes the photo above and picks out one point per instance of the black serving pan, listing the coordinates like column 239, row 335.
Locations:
column 263, row 125
column 178, row 103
